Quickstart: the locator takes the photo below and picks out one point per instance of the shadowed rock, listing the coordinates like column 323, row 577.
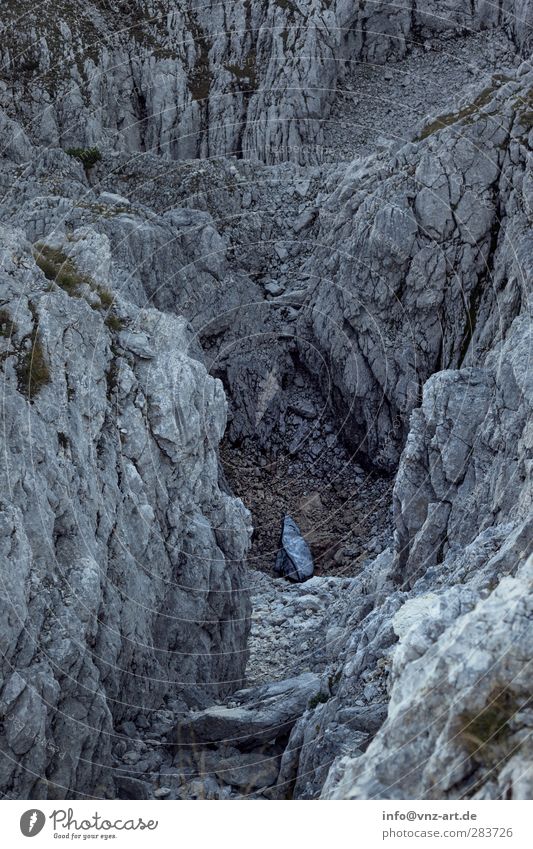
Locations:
column 254, row 716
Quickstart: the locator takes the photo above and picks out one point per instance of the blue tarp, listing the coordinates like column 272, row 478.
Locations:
column 294, row 559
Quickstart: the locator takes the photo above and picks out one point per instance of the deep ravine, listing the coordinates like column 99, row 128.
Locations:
column 254, row 303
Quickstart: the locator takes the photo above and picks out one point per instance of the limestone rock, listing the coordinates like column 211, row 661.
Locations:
column 257, row 715
column 469, row 692
column 122, row 559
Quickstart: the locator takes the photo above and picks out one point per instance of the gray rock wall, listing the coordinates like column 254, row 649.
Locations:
column 406, row 273
column 122, row 559
column 421, row 663
column 210, row 79
column 459, row 718
column 417, row 273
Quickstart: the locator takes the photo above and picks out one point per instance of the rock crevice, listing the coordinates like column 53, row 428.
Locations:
column 328, row 318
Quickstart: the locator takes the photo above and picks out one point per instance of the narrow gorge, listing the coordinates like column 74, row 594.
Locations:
column 263, row 259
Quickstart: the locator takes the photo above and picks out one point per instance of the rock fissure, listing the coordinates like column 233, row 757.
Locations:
column 267, row 267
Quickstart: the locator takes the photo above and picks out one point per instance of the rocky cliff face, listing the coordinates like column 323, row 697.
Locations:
column 416, row 274
column 122, row 559
column 252, row 79
column 421, row 634
column 365, row 300
column 421, row 628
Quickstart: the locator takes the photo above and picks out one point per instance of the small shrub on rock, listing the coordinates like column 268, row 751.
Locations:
column 88, row 156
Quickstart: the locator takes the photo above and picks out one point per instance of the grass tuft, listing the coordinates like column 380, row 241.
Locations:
column 106, row 297
column 58, row 268
column 88, row 156
column 32, row 370
column 486, row 733
column 113, row 322
column 469, row 111
column 319, row 699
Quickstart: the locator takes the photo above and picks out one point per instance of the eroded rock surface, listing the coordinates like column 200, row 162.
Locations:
column 358, row 281
column 255, row 79
column 122, row 559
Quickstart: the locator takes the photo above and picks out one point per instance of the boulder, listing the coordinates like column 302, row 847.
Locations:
column 254, row 716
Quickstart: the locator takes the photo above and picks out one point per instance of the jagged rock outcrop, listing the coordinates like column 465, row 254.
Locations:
column 466, row 466
column 462, row 501
column 122, row 559
column 464, row 506
column 453, row 553
column 417, row 274
column 459, row 718
column 253, row 79
column 256, row 715
column 390, row 296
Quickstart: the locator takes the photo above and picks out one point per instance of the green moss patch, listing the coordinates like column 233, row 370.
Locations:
column 486, row 733
column 32, row 369
column 58, row 268
column 467, row 112
column 88, row 156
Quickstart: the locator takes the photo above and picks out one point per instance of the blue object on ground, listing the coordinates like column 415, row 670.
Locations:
column 294, row 559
